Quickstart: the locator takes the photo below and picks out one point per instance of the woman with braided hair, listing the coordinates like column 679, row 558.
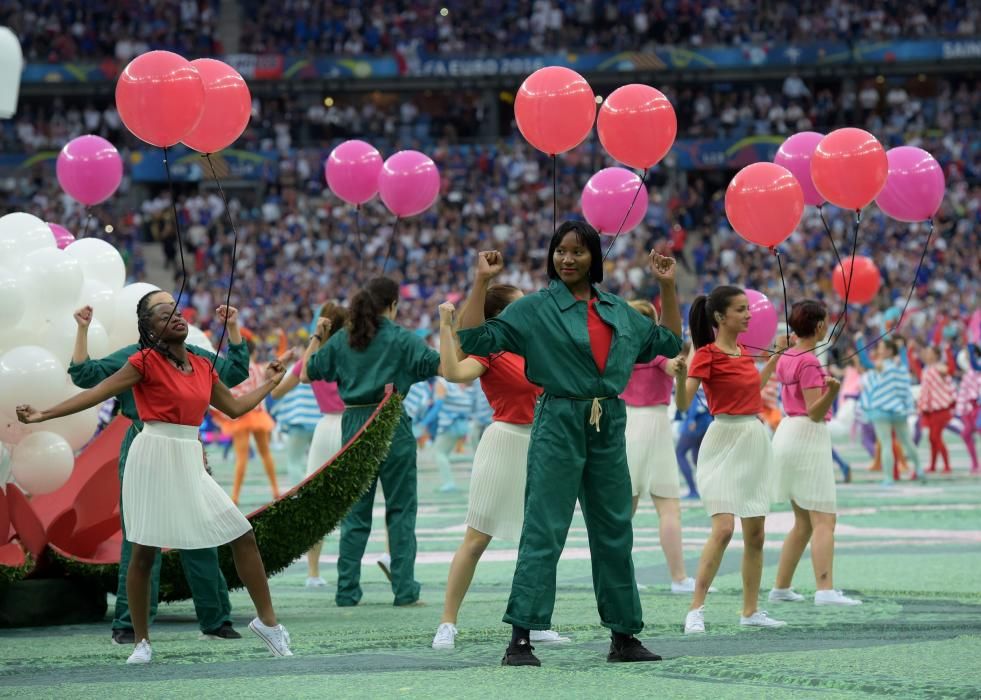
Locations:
column 169, row 499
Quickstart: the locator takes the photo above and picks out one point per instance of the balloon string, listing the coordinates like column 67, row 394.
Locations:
column 909, row 296
column 88, row 219
column 555, row 196
column 627, row 214
column 357, row 228
column 838, row 330
column 391, row 244
column 786, row 309
column 231, row 279
column 177, row 229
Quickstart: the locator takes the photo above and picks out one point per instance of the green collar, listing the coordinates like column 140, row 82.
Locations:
column 566, row 299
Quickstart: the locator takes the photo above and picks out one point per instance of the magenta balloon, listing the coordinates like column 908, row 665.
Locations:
column 914, row 186
column 63, row 237
column 762, row 323
column 89, row 169
column 408, row 183
column 795, row 155
column 352, row 171
column 609, row 195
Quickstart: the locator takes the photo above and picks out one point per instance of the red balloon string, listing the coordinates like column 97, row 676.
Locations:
column 231, row 279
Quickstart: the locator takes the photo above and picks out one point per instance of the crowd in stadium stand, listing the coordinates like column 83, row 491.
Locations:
column 69, row 30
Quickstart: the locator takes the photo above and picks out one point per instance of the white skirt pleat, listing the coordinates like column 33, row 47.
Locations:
column 805, row 469
column 735, row 467
column 497, row 486
column 650, row 452
column 169, row 500
column 327, row 441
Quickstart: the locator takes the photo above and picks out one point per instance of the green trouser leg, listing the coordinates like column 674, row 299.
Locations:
column 398, row 480
column 208, row 587
column 121, row 618
column 569, row 460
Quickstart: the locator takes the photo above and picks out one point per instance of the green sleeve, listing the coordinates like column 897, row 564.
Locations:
column 90, row 372
column 321, row 365
column 504, row 332
column 233, row 369
column 656, row 341
column 419, row 360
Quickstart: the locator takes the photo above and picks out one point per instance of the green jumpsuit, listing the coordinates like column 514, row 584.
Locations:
column 394, row 356
column 208, row 587
column 577, row 448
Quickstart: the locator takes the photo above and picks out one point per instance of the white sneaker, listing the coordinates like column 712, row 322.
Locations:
column 695, row 621
column 547, row 637
column 760, row 619
column 315, row 582
column 784, row 595
column 142, row 654
column 642, row 587
column 834, row 597
column 445, row 636
column 276, row 638
column 385, row 564
column 688, row 586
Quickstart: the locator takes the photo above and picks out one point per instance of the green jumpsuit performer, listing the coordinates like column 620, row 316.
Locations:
column 371, row 352
column 208, row 587
column 577, row 449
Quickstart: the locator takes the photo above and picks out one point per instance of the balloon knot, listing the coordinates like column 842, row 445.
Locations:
column 773, row 249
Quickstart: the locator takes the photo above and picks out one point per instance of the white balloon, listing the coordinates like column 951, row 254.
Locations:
column 77, row 429
column 22, row 233
column 55, row 280
column 42, row 462
column 100, row 261
column 100, row 297
column 58, row 336
column 124, row 330
column 12, row 430
column 197, row 338
column 30, row 374
column 13, row 290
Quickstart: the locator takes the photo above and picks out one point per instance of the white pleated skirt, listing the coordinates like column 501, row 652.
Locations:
column 650, row 452
column 169, row 500
column 327, row 441
column 735, row 467
column 497, row 486
column 805, row 470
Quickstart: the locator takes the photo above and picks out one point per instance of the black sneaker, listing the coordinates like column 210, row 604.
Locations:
column 226, row 631
column 519, row 654
column 630, row 650
column 123, row 637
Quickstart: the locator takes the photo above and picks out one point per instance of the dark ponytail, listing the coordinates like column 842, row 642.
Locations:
column 366, row 308
column 701, row 316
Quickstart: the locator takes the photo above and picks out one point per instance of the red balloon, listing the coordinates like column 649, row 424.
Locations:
column 849, row 168
column 555, row 109
column 764, row 203
column 160, row 98
column 227, row 107
column 865, row 281
column 637, row 125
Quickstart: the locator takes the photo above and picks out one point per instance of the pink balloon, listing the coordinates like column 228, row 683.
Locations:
column 762, row 323
column 609, row 195
column 408, row 183
column 352, row 171
column 795, row 155
column 227, row 107
column 914, row 186
column 63, row 237
column 89, row 169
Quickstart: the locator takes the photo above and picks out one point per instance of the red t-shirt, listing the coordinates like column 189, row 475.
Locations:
column 600, row 336
column 507, row 389
column 165, row 394
column 732, row 384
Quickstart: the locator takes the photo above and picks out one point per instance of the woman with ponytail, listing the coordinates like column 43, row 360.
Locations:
column 371, row 352
column 168, row 498
column 735, row 462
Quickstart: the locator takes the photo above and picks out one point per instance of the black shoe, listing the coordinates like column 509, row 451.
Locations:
column 123, row 637
column 629, row 650
column 519, row 654
column 226, row 631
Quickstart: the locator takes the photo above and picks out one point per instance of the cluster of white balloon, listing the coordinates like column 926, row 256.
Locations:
column 40, row 287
